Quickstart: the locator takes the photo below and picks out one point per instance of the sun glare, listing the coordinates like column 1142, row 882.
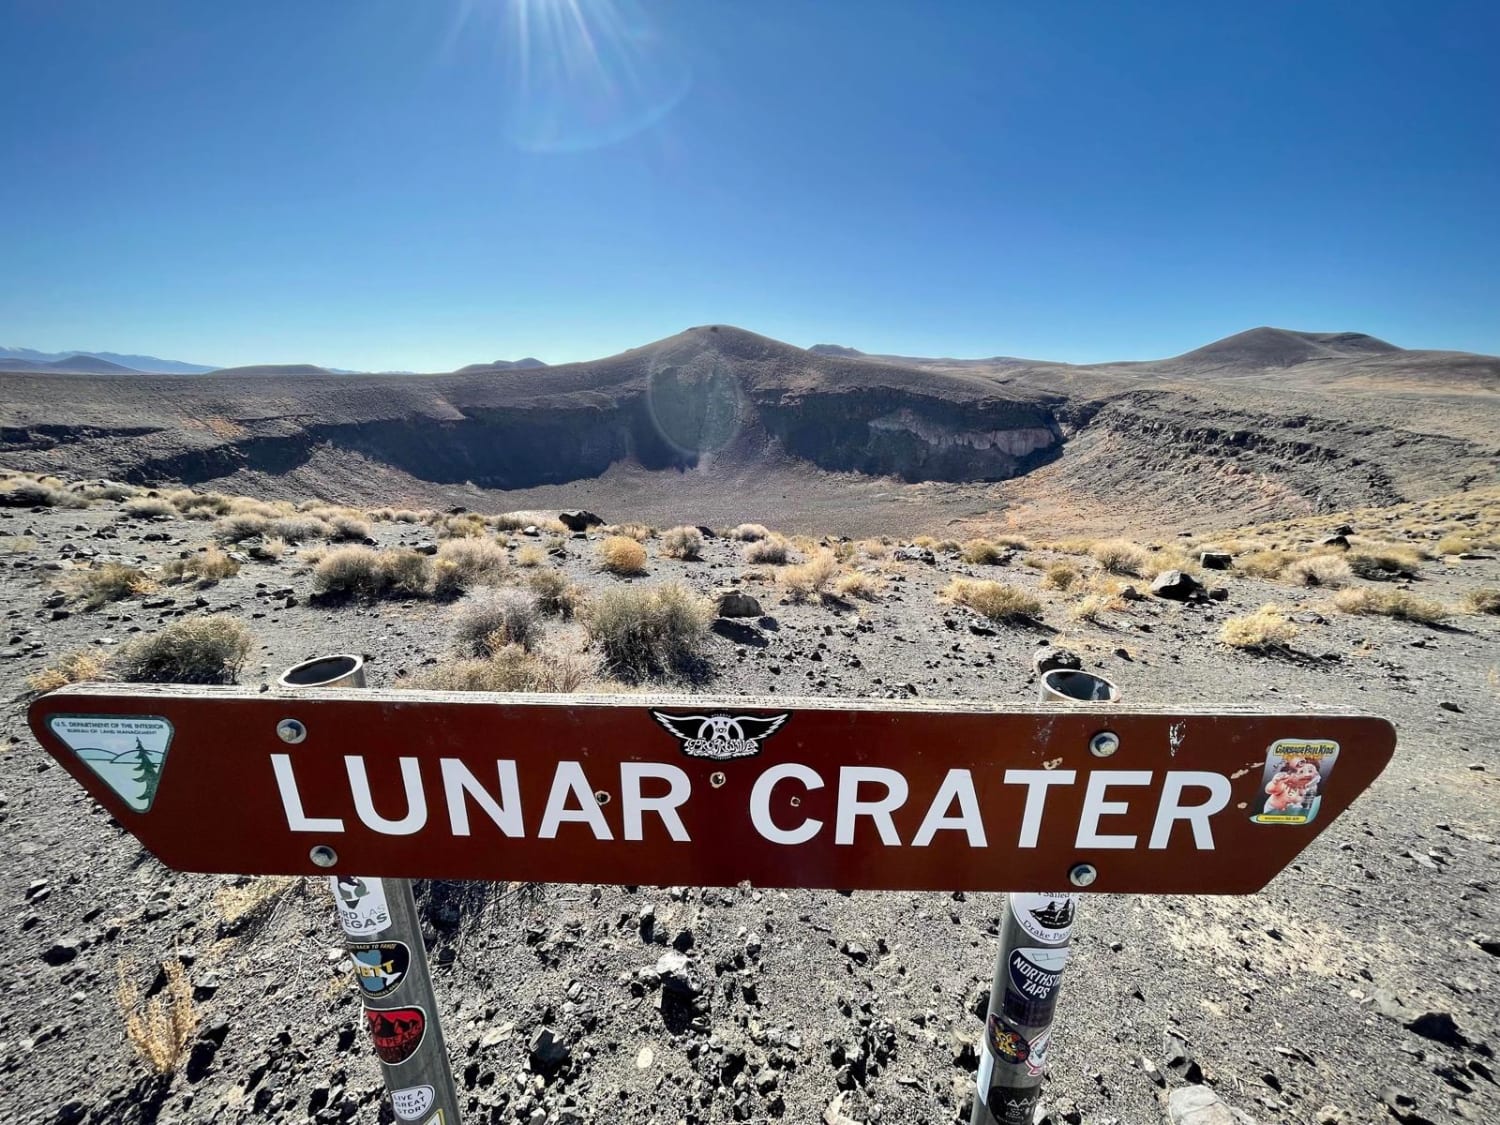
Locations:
column 580, row 74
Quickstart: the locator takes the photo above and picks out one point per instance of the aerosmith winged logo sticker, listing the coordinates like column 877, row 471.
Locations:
column 720, row 736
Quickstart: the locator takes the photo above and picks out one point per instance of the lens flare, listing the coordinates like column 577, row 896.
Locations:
column 582, row 74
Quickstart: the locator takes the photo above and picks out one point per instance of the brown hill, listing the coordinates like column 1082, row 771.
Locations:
column 704, row 425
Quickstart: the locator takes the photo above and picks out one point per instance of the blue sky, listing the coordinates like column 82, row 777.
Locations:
column 418, row 185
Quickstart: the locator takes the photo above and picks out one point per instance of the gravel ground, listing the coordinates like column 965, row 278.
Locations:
column 1362, row 985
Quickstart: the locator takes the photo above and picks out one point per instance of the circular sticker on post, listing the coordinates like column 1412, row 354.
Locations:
column 361, row 903
column 380, row 966
column 412, row 1102
column 396, row 1032
column 1008, row 1044
column 1035, row 980
column 1047, row 918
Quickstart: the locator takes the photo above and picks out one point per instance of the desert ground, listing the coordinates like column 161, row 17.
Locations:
column 1363, row 985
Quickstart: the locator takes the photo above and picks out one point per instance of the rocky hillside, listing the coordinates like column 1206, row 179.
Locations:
column 1269, row 421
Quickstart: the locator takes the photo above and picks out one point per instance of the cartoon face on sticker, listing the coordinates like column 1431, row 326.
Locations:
column 1036, row 1062
column 1008, row 1044
column 1295, row 777
column 380, row 966
column 126, row 752
column 412, row 1102
column 396, row 1033
column 1047, row 918
column 361, row 904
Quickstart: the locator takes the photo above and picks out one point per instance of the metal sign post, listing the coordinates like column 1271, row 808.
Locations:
column 384, row 938
column 1035, row 937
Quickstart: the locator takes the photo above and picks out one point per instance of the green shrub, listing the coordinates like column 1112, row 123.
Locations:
column 1120, row 556
column 994, row 600
column 195, row 650
column 650, row 632
column 360, row 572
column 772, row 549
column 488, row 620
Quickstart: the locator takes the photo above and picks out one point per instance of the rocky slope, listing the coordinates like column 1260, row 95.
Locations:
column 1361, row 986
column 1274, row 421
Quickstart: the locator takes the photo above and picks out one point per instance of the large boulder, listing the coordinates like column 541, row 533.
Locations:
column 1215, row 560
column 736, row 603
column 1176, row 585
column 579, row 520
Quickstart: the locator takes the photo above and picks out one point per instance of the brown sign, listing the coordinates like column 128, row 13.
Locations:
column 856, row 794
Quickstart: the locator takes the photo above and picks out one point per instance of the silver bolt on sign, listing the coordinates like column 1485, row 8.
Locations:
column 383, row 934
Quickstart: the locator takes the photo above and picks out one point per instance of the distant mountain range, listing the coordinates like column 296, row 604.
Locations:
column 114, row 363
column 97, row 363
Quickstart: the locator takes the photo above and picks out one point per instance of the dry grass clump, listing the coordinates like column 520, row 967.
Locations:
column 857, row 584
column 1331, row 571
column 555, row 595
column 20, row 492
column 75, row 668
column 1458, row 544
column 465, row 525
column 488, row 620
column 994, row 600
column 620, row 554
column 650, row 632
column 808, row 580
column 40, row 492
column 1091, row 607
column 637, row 531
column 983, row 552
column 1263, row 563
column 682, row 543
column 346, row 528
column 409, row 515
column 199, row 505
column 235, row 529
column 360, row 572
column 1060, row 576
column 1120, row 556
column 461, row 564
column 1168, row 558
column 1012, row 542
column 1265, row 629
column 195, row 650
column 109, row 490
column 748, row 532
column 1484, row 600
column 511, row 668
column 210, row 565
column 519, row 521
column 1385, row 562
column 271, row 549
column 1390, row 603
column 300, row 529
column 111, row 582
column 771, row 549
column 530, row 556
column 145, row 507
column 159, row 1028
column 242, row 903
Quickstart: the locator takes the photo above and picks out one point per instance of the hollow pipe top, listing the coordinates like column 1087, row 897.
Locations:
column 1063, row 685
column 340, row 670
